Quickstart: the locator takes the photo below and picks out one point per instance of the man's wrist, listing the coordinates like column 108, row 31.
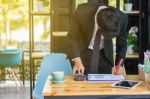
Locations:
column 78, row 59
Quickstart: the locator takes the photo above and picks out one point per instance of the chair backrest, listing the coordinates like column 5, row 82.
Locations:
column 10, row 57
column 51, row 62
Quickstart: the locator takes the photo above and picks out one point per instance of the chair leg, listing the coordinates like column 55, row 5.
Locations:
column 16, row 77
column 9, row 73
column 22, row 69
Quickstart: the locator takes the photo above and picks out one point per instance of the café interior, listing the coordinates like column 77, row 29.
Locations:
column 34, row 51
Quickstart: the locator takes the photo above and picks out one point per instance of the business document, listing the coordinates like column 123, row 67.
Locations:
column 104, row 77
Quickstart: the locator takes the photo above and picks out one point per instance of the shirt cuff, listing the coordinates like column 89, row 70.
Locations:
column 77, row 58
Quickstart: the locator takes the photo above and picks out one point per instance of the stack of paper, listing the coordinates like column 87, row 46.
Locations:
column 104, row 77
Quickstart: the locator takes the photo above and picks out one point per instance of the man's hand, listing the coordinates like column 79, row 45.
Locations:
column 78, row 67
column 118, row 70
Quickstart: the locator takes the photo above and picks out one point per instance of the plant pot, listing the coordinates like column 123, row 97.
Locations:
column 128, row 6
column 130, row 50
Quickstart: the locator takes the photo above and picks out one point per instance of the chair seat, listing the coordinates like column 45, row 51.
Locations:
column 10, row 58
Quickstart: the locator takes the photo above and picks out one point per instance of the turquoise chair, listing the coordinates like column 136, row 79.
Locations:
column 51, row 62
column 10, row 58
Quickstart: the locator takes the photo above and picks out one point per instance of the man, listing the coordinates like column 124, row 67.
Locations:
column 86, row 21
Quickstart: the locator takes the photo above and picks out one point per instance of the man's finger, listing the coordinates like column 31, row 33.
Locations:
column 82, row 72
column 74, row 71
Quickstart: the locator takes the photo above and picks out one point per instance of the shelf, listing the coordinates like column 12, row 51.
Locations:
column 60, row 33
column 40, row 13
column 131, row 56
column 132, row 12
column 134, row 55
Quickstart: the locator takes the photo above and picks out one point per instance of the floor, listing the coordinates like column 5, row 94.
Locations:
column 8, row 90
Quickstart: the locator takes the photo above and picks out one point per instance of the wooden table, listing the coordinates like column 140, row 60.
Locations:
column 71, row 89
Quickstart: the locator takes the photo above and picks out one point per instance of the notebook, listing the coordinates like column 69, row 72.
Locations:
column 104, row 77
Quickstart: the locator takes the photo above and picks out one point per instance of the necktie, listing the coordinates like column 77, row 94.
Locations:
column 95, row 54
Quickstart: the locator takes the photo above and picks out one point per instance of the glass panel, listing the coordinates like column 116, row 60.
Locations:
column 80, row 1
column 113, row 3
column 121, row 5
column 13, row 23
column 42, row 33
column 41, row 5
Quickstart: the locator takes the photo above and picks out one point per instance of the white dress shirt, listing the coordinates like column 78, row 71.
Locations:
column 95, row 30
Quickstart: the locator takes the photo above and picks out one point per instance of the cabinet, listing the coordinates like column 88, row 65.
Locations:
column 137, row 17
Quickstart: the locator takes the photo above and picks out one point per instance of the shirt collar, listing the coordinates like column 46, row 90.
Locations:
column 98, row 10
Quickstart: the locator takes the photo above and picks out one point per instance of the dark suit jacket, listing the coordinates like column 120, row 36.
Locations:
column 81, row 30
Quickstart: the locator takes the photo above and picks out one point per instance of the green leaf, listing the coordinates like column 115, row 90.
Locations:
column 127, row 1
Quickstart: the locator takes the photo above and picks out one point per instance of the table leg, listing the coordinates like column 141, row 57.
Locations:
column 31, row 82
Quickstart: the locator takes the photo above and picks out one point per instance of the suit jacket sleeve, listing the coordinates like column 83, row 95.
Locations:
column 74, row 35
column 121, row 40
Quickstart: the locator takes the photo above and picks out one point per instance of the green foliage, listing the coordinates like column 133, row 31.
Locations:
column 14, row 15
column 127, row 1
column 80, row 1
column 132, row 40
column 45, row 2
column 15, row 24
column 45, row 35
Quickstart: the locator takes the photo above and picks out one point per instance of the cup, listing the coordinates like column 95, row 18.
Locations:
column 147, row 78
column 147, row 66
column 57, row 76
column 147, row 70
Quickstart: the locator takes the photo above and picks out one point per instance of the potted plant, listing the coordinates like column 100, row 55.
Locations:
column 128, row 5
column 132, row 40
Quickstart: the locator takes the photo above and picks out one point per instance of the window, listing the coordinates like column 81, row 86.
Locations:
column 114, row 3
column 80, row 1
